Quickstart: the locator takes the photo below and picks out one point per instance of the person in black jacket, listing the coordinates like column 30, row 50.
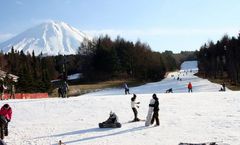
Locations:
column 155, row 110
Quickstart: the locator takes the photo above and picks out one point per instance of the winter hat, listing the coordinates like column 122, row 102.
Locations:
column 154, row 96
column 6, row 106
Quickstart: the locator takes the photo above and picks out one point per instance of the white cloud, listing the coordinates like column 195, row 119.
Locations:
column 4, row 37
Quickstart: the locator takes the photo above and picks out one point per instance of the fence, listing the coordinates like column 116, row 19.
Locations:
column 27, row 95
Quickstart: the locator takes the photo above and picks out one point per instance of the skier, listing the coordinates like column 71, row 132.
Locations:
column 126, row 89
column 150, row 112
column 6, row 112
column 134, row 107
column 189, row 87
column 155, row 110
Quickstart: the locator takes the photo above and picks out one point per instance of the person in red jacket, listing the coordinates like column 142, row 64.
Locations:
column 189, row 87
column 6, row 112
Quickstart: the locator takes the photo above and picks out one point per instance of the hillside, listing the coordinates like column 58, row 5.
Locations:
column 205, row 115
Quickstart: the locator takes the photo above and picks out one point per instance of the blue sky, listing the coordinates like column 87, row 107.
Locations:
column 164, row 24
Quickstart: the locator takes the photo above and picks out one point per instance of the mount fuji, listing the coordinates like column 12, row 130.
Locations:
column 49, row 38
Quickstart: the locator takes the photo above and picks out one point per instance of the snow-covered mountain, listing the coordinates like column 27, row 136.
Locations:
column 49, row 38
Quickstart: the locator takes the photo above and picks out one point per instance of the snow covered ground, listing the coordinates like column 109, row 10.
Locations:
column 205, row 115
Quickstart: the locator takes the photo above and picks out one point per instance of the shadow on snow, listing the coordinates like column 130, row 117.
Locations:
column 97, row 136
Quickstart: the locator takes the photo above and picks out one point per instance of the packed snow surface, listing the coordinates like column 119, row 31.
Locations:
column 49, row 38
column 205, row 115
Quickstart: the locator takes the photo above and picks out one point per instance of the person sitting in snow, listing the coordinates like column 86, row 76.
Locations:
column 169, row 90
column 112, row 118
column 223, row 88
column 6, row 113
column 134, row 107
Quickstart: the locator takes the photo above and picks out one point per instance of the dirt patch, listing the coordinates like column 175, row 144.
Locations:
column 76, row 90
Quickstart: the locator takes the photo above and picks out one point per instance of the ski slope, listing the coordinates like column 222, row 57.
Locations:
column 205, row 115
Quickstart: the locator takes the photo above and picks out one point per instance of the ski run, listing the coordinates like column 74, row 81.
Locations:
column 206, row 115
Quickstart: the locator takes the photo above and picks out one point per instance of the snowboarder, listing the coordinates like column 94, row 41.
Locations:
column 126, row 89
column 169, row 90
column 111, row 122
column 6, row 112
column 134, row 107
column 150, row 112
column 189, row 87
column 155, row 110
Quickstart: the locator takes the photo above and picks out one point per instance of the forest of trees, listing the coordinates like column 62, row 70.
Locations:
column 221, row 59
column 98, row 60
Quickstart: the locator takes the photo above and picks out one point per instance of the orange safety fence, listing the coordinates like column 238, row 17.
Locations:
column 27, row 95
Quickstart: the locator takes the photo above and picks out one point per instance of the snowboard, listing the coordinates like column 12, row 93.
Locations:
column 110, row 125
column 150, row 113
column 149, row 116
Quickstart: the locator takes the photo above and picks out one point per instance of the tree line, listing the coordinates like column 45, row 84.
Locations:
column 97, row 60
column 221, row 59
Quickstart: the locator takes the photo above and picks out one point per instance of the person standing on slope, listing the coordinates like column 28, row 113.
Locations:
column 126, row 89
column 150, row 112
column 134, row 107
column 12, row 91
column 189, row 87
column 155, row 110
column 65, row 89
column 2, row 88
column 6, row 112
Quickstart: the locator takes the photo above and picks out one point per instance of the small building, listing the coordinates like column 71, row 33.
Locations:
column 4, row 75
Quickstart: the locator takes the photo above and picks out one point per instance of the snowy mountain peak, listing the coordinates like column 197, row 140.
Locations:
column 48, row 38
